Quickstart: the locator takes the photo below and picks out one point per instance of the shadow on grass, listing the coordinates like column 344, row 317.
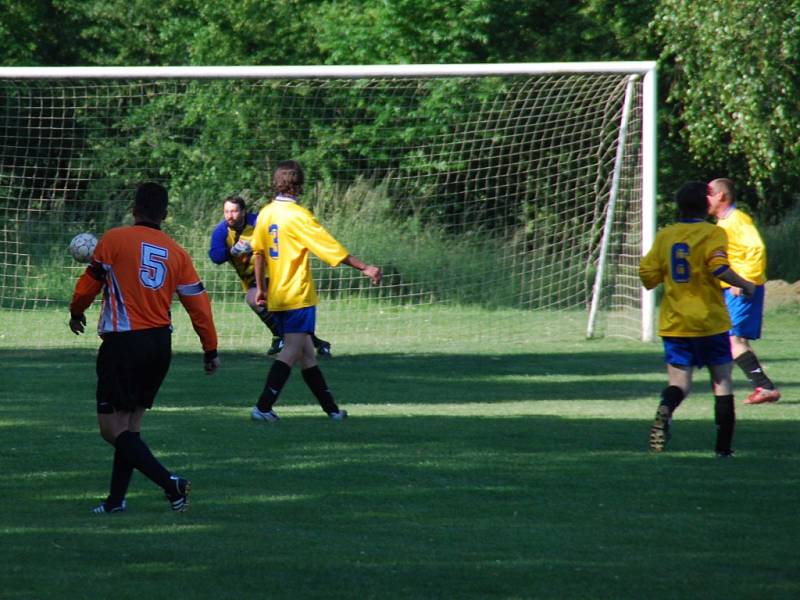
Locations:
column 377, row 378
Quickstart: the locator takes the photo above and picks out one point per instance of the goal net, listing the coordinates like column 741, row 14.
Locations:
column 504, row 202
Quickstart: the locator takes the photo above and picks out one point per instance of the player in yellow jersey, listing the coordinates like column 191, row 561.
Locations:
column 230, row 242
column 139, row 269
column 748, row 257
column 284, row 235
column 690, row 258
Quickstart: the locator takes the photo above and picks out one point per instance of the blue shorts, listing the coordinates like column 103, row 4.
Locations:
column 746, row 313
column 697, row 351
column 299, row 320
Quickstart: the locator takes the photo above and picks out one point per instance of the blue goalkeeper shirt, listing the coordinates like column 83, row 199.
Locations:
column 222, row 240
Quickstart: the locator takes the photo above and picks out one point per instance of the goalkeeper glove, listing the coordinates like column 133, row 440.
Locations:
column 77, row 323
column 210, row 361
column 241, row 247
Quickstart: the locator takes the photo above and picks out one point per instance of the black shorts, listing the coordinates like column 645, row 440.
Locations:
column 130, row 368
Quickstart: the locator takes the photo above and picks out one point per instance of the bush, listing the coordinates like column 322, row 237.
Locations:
column 781, row 243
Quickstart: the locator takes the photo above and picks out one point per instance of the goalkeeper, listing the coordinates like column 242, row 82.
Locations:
column 139, row 269
column 231, row 242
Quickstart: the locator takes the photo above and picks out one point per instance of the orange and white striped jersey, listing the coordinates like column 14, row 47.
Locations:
column 139, row 268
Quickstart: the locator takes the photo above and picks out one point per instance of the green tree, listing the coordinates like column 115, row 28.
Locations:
column 404, row 31
column 420, row 31
column 133, row 32
column 37, row 32
column 155, row 32
column 618, row 30
column 281, row 32
column 734, row 84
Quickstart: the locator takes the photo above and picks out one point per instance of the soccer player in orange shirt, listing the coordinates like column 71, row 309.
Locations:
column 284, row 236
column 690, row 259
column 139, row 269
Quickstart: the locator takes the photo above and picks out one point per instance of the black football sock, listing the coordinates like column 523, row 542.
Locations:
column 725, row 418
column 671, row 397
column 316, row 383
column 316, row 341
column 748, row 362
column 121, row 474
column 136, row 452
column 276, row 379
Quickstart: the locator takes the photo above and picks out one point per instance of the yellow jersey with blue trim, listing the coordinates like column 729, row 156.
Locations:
column 686, row 257
column 746, row 251
column 285, row 234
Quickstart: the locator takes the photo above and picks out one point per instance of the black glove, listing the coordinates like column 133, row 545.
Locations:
column 77, row 323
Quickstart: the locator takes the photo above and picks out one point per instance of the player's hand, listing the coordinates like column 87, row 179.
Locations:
column 77, row 324
column 210, row 362
column 241, row 247
column 261, row 298
column 750, row 290
column 374, row 273
column 736, row 291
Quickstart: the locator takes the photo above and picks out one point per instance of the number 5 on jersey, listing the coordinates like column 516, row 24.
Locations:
column 153, row 271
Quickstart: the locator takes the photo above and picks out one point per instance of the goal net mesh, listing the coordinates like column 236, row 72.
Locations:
column 484, row 199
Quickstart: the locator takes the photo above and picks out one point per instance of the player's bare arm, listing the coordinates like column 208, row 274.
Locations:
column 732, row 278
column 371, row 271
column 259, row 267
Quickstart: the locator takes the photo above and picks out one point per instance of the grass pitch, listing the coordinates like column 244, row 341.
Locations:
column 519, row 474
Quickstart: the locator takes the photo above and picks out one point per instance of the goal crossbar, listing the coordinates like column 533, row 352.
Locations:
column 331, row 71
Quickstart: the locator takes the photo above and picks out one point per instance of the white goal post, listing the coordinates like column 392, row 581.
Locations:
column 505, row 201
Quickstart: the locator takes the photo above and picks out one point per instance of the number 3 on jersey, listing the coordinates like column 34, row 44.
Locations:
column 153, row 271
column 681, row 270
column 273, row 234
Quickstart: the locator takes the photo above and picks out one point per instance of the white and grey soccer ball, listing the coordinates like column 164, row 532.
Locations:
column 82, row 246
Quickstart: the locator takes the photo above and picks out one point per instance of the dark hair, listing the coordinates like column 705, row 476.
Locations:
column 237, row 200
column 288, row 178
column 692, row 199
column 151, row 201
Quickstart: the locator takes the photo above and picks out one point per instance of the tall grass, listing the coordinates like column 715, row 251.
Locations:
column 423, row 262
column 783, row 241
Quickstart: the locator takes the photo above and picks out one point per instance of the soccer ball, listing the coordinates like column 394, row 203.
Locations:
column 82, row 246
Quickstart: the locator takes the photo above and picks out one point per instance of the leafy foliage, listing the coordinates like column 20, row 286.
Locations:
column 735, row 87
column 36, row 32
column 728, row 104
